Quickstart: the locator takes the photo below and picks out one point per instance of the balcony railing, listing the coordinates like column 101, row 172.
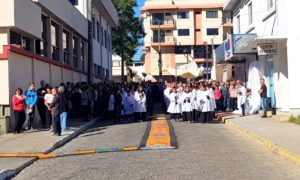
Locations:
column 227, row 20
column 164, row 39
column 167, row 23
column 66, row 57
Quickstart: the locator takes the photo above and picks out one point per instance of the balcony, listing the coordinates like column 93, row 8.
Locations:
column 163, row 41
column 227, row 22
column 163, row 24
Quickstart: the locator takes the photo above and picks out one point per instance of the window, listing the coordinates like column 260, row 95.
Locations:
column 75, row 51
column 94, row 28
column 183, row 32
column 250, row 14
column 168, row 14
column 41, row 45
column 200, row 52
column 66, row 47
column 26, row 45
column 238, row 24
column 182, row 15
column 183, row 50
column 211, row 14
column 82, row 54
column 54, row 41
column 270, row 4
column 105, row 39
column 98, row 32
column 158, row 18
column 102, row 36
column 74, row 2
column 169, row 33
column 15, row 39
column 212, row 31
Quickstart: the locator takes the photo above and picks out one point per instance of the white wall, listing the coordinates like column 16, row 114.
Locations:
column 185, row 24
column 68, row 13
column 4, row 79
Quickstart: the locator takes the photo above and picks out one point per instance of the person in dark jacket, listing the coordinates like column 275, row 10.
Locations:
column 55, row 107
column 63, row 108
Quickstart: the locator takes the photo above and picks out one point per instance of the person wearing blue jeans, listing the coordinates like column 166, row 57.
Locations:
column 63, row 108
column 263, row 96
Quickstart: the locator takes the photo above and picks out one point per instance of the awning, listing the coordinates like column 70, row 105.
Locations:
column 251, row 46
column 187, row 71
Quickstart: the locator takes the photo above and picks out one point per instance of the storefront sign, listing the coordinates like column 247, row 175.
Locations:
column 228, row 47
column 266, row 49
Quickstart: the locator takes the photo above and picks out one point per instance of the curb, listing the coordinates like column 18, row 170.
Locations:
column 267, row 143
column 8, row 174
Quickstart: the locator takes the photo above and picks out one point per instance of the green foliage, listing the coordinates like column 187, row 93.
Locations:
column 129, row 30
column 295, row 120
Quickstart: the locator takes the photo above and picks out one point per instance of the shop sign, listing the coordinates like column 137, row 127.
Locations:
column 266, row 49
column 228, row 47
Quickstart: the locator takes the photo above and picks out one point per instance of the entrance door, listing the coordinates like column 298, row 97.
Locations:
column 269, row 72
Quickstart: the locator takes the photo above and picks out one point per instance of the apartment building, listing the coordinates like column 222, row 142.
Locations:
column 265, row 36
column 183, row 31
column 49, row 40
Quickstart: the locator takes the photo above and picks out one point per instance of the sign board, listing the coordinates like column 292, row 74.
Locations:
column 228, row 47
column 266, row 49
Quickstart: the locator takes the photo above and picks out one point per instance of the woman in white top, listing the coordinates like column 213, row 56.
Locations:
column 139, row 106
column 187, row 109
column 174, row 106
column 47, row 101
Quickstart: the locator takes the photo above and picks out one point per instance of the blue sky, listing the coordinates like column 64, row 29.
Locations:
column 139, row 53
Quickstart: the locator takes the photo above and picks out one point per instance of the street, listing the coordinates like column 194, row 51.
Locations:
column 206, row 151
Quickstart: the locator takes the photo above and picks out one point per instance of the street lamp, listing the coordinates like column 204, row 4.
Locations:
column 159, row 52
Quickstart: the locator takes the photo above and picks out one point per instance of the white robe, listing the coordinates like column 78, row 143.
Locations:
column 174, row 106
column 186, row 106
column 140, row 102
column 194, row 101
column 166, row 96
column 212, row 100
column 128, row 104
column 204, row 102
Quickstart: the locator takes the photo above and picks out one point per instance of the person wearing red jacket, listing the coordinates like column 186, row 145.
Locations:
column 18, row 101
column 218, row 98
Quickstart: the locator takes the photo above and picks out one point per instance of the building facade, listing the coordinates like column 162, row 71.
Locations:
column 268, row 29
column 49, row 40
column 183, row 31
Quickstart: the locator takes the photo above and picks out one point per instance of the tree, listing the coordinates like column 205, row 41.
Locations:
column 125, row 37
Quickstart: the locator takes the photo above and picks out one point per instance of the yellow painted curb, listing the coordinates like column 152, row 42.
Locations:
column 278, row 150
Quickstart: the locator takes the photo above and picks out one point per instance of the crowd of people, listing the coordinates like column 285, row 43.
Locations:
column 191, row 102
column 198, row 101
column 54, row 105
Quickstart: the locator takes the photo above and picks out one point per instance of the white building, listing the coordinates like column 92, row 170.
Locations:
column 269, row 29
column 49, row 40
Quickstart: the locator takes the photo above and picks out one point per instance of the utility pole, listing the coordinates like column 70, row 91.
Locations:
column 206, row 61
column 159, row 53
column 122, row 61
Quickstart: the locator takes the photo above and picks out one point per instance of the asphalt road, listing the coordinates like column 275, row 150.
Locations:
column 206, row 151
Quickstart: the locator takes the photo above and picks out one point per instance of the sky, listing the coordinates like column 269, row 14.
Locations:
column 139, row 53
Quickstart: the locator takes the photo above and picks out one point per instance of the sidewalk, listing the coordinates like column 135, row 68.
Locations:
column 35, row 142
column 282, row 138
